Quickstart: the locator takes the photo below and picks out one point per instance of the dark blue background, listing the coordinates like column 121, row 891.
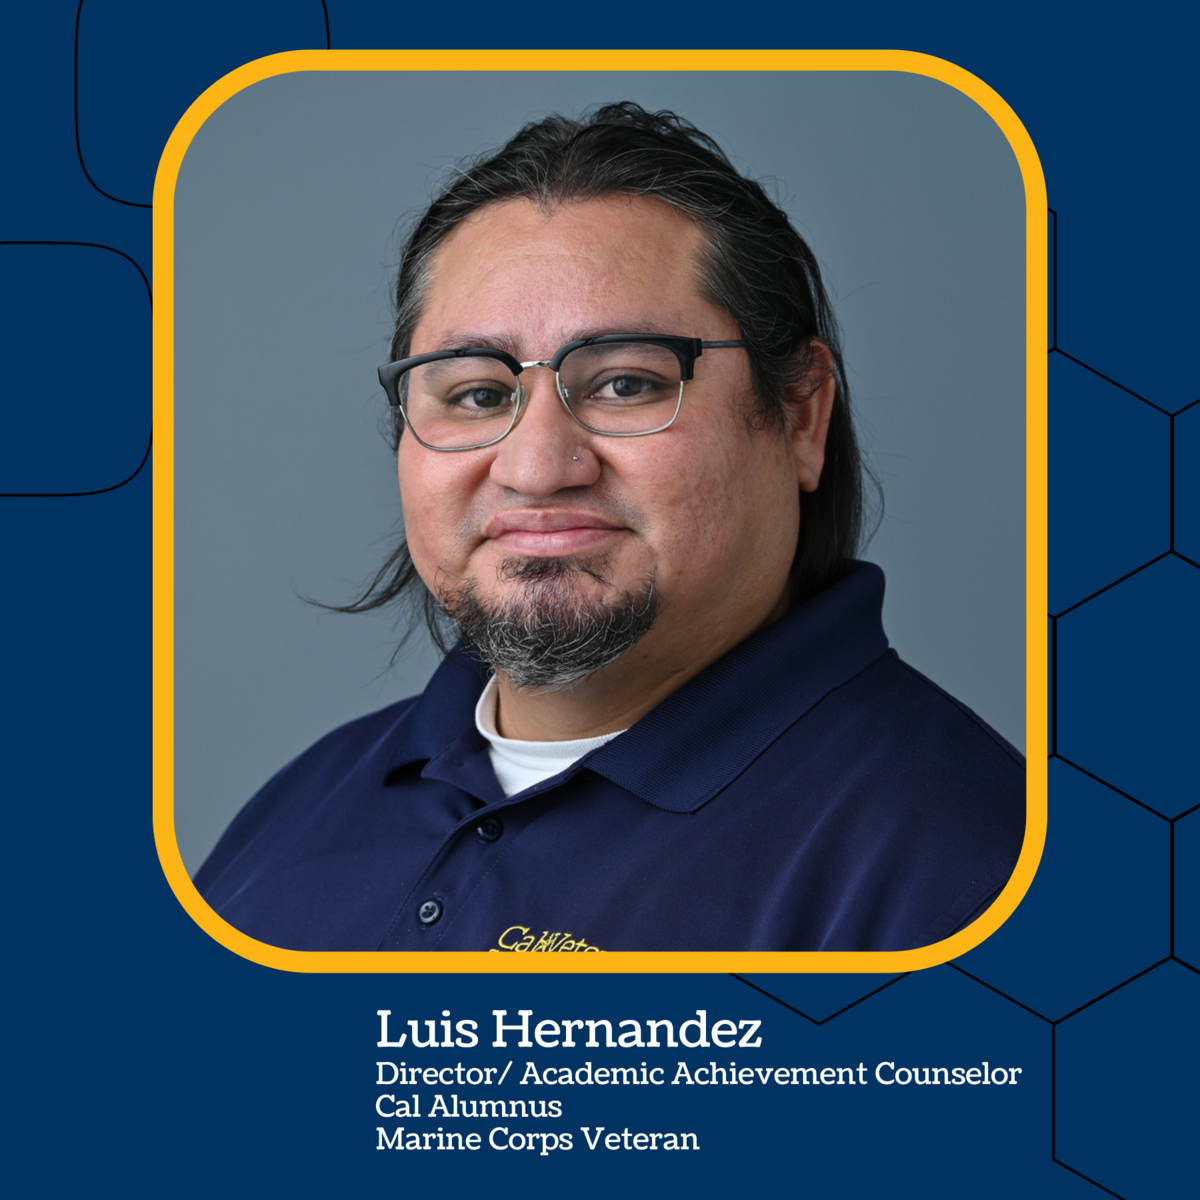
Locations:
column 148, row 1060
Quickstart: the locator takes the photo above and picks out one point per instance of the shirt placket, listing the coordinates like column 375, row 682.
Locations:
column 440, row 897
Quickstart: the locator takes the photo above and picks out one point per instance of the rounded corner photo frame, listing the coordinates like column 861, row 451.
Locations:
column 164, row 509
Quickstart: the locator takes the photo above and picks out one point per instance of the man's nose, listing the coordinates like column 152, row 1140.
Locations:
column 548, row 449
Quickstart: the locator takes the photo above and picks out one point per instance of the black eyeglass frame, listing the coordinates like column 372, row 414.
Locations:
column 685, row 349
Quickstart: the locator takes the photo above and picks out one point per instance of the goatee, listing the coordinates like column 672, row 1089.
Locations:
column 551, row 637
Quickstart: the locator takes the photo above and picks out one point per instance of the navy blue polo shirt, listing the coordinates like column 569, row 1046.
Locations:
column 807, row 791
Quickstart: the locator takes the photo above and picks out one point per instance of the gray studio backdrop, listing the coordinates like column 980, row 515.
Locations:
column 289, row 211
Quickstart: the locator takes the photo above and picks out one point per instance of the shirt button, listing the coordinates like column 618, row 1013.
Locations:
column 430, row 912
column 489, row 829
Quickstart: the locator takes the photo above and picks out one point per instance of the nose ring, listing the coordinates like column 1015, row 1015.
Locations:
column 574, row 457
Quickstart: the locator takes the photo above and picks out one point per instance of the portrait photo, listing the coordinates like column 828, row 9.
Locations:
column 599, row 511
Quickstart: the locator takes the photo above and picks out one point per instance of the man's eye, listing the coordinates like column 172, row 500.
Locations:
column 625, row 387
column 479, row 399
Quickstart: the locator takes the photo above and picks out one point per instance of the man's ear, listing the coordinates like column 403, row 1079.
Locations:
column 809, row 406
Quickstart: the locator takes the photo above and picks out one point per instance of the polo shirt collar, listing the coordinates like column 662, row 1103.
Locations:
column 703, row 736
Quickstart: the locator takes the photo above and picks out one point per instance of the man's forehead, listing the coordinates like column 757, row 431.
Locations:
column 606, row 236
column 517, row 271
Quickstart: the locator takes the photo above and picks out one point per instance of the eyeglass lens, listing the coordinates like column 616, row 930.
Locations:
column 615, row 388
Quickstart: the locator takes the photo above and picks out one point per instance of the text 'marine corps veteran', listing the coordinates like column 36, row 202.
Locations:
column 672, row 721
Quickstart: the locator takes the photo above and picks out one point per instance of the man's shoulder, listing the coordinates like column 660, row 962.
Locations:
column 365, row 741
column 352, row 756
column 933, row 772
column 929, row 706
column 910, row 798
column 368, row 735
column 891, row 704
column 957, row 781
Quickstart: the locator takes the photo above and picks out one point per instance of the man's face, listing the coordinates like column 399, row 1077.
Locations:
column 706, row 512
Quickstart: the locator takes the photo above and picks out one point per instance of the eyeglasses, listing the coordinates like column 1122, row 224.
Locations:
column 617, row 384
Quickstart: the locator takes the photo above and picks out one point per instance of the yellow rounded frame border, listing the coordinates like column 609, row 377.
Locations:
column 479, row 961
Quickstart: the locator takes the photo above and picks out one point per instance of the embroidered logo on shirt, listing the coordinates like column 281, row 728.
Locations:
column 522, row 940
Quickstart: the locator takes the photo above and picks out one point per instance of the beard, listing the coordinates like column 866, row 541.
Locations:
column 550, row 637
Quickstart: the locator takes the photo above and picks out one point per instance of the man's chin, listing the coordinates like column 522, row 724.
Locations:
column 551, row 622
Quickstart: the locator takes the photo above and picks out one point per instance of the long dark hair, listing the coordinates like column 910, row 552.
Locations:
column 756, row 267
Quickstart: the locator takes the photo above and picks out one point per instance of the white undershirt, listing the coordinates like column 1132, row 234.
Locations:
column 519, row 765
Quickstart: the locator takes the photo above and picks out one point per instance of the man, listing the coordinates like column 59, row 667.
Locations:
column 630, row 482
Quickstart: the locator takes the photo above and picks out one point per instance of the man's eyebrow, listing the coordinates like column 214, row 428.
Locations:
column 640, row 328
column 478, row 341
column 467, row 340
